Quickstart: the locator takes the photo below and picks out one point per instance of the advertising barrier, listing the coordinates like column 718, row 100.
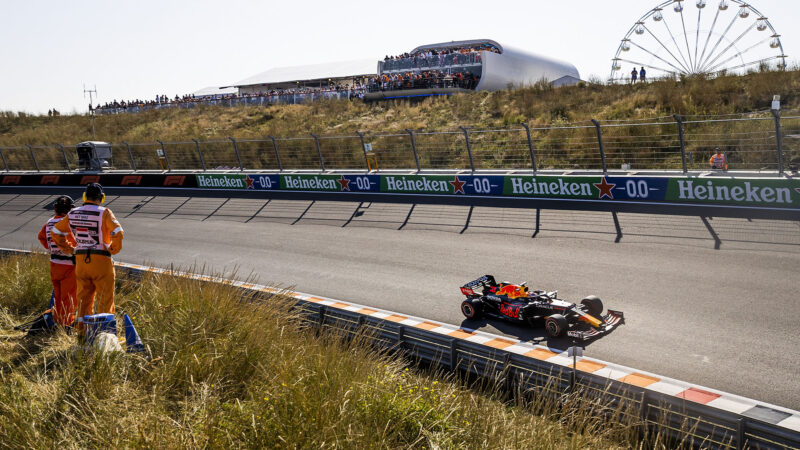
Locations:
column 756, row 193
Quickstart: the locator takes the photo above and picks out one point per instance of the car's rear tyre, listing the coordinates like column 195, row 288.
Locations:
column 594, row 305
column 556, row 325
column 472, row 308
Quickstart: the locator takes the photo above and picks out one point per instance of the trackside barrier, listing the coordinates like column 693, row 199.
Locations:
column 710, row 196
column 700, row 416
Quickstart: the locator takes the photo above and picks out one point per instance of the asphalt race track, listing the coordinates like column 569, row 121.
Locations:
column 707, row 300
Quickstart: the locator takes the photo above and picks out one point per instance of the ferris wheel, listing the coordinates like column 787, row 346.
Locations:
column 728, row 35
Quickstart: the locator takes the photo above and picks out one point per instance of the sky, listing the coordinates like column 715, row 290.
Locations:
column 137, row 49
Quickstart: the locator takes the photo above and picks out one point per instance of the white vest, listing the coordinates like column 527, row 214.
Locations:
column 86, row 223
column 56, row 255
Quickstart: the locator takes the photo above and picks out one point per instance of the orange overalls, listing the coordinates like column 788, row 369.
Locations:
column 62, row 275
column 98, row 235
column 719, row 161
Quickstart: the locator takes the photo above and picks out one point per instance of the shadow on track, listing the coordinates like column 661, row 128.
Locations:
column 534, row 335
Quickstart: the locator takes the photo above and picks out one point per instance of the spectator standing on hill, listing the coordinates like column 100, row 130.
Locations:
column 634, row 74
column 642, row 75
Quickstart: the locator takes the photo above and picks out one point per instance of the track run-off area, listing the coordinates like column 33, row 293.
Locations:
column 711, row 301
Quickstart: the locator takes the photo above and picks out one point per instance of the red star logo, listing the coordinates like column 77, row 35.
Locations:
column 249, row 182
column 458, row 185
column 797, row 189
column 605, row 189
column 344, row 183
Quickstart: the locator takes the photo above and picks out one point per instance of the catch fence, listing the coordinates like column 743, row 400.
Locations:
column 763, row 142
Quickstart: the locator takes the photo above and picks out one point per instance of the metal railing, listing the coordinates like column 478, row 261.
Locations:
column 761, row 142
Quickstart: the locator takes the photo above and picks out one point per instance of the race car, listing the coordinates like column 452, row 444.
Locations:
column 517, row 303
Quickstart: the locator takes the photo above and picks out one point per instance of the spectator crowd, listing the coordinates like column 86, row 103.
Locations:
column 437, row 57
column 423, row 80
column 289, row 95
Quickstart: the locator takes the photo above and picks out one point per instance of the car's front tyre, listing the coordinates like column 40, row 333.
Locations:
column 594, row 305
column 556, row 325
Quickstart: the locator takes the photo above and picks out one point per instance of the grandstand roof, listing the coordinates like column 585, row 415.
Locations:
column 324, row 71
column 214, row 90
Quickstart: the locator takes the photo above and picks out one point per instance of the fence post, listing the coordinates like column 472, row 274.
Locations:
column 741, row 423
column 600, row 143
column 679, row 121
column 277, row 155
column 364, row 147
column 130, row 154
column 164, row 150
column 469, row 149
column 64, row 153
column 453, row 354
column 33, row 155
column 413, row 147
column 236, row 149
column 777, row 114
column 319, row 151
column 530, row 146
column 321, row 320
column 3, row 156
column 401, row 334
column 200, row 154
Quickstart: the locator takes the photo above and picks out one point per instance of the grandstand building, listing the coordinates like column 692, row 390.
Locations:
column 480, row 64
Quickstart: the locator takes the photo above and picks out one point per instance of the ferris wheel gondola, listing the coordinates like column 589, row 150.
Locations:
column 729, row 40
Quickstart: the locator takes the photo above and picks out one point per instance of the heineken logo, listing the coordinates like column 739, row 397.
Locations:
column 315, row 183
column 419, row 183
column 746, row 192
column 221, row 181
column 561, row 188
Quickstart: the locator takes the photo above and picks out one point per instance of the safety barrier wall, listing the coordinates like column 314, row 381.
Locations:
column 769, row 194
column 526, row 369
column 758, row 141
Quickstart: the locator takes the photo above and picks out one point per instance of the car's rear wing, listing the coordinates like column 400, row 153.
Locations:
column 486, row 280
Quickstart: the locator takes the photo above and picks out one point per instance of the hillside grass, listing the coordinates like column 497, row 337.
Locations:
column 537, row 105
column 220, row 372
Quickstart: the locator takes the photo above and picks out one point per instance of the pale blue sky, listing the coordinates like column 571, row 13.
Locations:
column 139, row 49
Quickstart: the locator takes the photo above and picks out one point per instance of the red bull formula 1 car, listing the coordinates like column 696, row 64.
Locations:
column 517, row 303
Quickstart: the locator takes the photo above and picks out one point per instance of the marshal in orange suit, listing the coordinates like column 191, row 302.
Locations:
column 62, row 266
column 98, row 235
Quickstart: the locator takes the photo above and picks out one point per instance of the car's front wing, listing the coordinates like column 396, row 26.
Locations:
column 610, row 321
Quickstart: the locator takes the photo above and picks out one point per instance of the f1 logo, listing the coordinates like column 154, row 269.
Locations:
column 50, row 179
column 174, row 180
column 131, row 179
column 90, row 179
column 12, row 179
